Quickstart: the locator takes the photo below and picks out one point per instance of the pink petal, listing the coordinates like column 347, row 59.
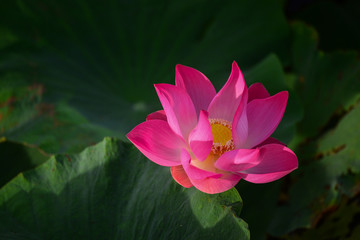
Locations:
column 201, row 139
column 205, row 181
column 270, row 140
column 277, row 161
column 264, row 115
column 216, row 185
column 240, row 124
column 193, row 172
column 178, row 107
column 238, row 160
column 158, row 142
column 197, row 85
column 179, row 175
column 257, row 91
column 226, row 102
column 159, row 115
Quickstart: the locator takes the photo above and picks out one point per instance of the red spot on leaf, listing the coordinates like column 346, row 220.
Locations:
column 36, row 89
column 301, row 79
column 46, row 109
column 8, row 102
column 68, row 158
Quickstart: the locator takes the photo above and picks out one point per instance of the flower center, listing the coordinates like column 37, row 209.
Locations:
column 222, row 136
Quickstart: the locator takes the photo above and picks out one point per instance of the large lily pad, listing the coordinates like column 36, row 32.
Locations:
column 53, row 128
column 322, row 178
column 327, row 82
column 328, row 87
column 110, row 191
column 321, row 183
column 103, row 59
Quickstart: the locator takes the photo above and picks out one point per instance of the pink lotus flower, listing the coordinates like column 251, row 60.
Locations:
column 212, row 140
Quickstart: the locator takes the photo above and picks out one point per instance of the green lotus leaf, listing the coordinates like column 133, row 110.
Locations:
column 110, row 191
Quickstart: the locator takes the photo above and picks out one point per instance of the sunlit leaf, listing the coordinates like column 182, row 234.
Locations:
column 110, row 191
